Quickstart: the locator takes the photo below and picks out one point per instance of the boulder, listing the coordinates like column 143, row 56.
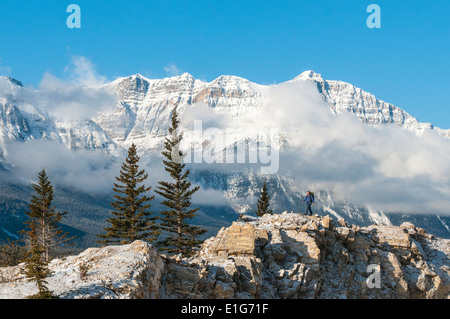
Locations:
column 131, row 271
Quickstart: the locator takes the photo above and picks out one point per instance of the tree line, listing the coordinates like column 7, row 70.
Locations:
column 131, row 218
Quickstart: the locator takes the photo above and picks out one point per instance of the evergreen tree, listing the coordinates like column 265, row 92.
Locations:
column 263, row 202
column 36, row 268
column 44, row 218
column 12, row 253
column 181, row 236
column 131, row 217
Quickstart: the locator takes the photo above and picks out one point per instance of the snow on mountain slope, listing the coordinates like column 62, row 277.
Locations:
column 85, row 134
column 142, row 113
column 9, row 86
column 23, row 120
column 143, row 109
column 344, row 97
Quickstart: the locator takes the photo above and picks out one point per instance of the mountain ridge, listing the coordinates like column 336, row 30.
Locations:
column 142, row 104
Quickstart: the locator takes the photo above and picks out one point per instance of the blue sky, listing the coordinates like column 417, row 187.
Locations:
column 405, row 62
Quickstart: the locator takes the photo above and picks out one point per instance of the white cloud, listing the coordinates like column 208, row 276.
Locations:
column 80, row 96
column 70, row 101
column 172, row 70
column 210, row 197
column 81, row 71
column 84, row 170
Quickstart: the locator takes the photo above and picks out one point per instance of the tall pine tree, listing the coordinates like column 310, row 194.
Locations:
column 181, row 236
column 131, row 219
column 44, row 218
column 263, row 202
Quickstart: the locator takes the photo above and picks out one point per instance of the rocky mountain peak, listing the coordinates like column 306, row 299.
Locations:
column 134, row 86
column 187, row 76
column 9, row 86
column 225, row 79
column 310, row 75
column 11, row 80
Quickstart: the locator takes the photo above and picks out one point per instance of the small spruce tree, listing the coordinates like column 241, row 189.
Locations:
column 44, row 217
column 263, row 202
column 181, row 237
column 131, row 219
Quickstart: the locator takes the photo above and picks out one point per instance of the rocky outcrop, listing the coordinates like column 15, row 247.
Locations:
column 115, row 272
column 274, row 256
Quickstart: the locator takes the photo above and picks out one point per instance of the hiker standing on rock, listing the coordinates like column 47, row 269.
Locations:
column 309, row 199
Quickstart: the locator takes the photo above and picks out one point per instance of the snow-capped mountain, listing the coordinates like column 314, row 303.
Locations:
column 141, row 116
column 22, row 120
column 144, row 105
column 344, row 97
column 143, row 111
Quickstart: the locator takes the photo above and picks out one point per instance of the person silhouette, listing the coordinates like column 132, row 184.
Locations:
column 309, row 199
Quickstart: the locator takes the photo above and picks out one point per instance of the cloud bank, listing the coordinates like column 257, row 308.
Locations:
column 79, row 96
column 83, row 170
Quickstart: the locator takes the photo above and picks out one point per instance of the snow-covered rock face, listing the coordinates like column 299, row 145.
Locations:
column 274, row 256
column 141, row 114
column 344, row 97
column 21, row 121
column 9, row 86
column 85, row 134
